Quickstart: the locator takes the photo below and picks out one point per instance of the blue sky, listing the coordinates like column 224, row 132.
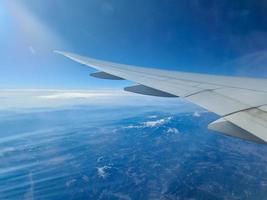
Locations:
column 218, row 37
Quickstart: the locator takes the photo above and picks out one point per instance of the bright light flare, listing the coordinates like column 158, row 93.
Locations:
column 30, row 30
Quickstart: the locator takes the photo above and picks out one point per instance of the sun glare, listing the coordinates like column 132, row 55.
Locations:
column 31, row 29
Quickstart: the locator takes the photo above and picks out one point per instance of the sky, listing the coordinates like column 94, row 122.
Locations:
column 205, row 36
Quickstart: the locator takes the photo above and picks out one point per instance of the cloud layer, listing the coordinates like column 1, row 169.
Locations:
column 33, row 98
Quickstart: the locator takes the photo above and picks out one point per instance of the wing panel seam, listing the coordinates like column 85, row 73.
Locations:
column 246, row 109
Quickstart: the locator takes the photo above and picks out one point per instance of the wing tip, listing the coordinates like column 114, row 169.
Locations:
column 59, row 52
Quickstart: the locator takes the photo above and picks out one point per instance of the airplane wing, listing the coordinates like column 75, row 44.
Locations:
column 241, row 102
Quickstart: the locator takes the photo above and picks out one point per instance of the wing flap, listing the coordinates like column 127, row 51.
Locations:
column 230, row 129
column 253, row 120
column 104, row 75
column 141, row 89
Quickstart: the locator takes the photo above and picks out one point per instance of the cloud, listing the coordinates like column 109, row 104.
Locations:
column 196, row 114
column 150, row 124
column 156, row 123
column 76, row 95
column 31, row 98
column 132, row 127
column 173, row 130
column 102, row 171
column 17, row 99
column 152, row 116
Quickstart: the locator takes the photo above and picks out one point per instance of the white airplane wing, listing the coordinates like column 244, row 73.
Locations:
column 241, row 102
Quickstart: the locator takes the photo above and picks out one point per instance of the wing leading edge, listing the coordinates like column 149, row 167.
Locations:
column 241, row 102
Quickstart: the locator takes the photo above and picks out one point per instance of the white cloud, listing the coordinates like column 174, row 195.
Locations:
column 102, row 171
column 150, row 124
column 31, row 98
column 196, row 114
column 152, row 116
column 16, row 99
column 133, row 126
column 173, row 130
column 76, row 95
column 155, row 123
